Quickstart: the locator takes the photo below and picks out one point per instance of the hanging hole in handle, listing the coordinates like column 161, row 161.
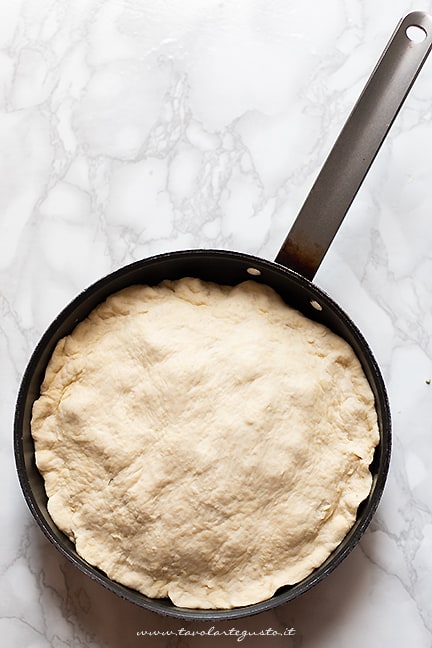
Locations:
column 416, row 34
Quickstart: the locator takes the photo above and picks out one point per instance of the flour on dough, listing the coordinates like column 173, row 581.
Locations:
column 204, row 443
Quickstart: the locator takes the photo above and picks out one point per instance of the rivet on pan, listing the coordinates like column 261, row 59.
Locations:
column 315, row 305
column 254, row 271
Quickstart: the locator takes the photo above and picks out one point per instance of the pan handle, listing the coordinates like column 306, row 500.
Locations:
column 356, row 147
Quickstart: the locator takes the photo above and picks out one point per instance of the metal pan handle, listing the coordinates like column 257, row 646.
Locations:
column 356, row 147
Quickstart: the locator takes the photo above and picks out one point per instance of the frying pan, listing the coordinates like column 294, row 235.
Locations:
column 290, row 275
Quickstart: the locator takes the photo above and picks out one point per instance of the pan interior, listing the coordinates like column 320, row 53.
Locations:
column 225, row 268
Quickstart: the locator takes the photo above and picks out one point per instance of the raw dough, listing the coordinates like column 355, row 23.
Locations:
column 203, row 442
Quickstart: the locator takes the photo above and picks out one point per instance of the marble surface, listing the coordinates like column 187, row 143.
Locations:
column 131, row 127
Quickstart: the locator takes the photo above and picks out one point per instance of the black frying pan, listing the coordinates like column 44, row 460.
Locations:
column 290, row 275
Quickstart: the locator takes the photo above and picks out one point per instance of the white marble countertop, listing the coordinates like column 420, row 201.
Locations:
column 131, row 127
